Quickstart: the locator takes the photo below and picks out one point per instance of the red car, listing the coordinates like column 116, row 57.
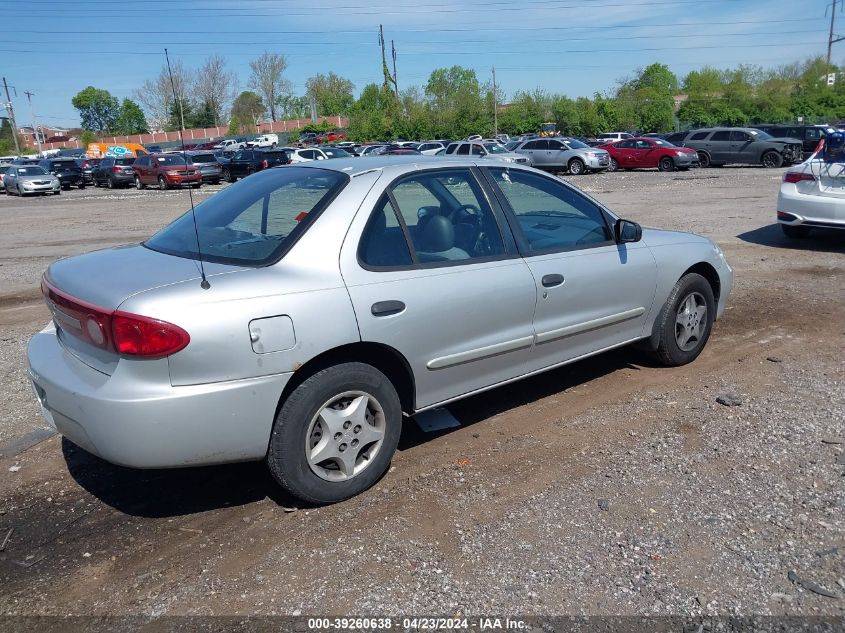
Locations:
column 645, row 153
column 166, row 171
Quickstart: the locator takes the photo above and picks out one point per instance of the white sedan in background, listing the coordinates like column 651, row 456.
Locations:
column 298, row 155
column 812, row 195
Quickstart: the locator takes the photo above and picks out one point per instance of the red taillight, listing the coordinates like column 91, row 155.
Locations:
column 136, row 335
column 116, row 169
column 125, row 333
column 798, row 176
column 263, row 164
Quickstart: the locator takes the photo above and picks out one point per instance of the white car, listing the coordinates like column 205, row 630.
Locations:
column 316, row 153
column 609, row 137
column 812, row 195
column 266, row 140
column 230, row 145
column 430, row 148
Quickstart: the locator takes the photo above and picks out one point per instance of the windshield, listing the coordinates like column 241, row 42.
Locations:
column 495, row 148
column 255, row 221
column 203, row 158
column 574, row 144
column 33, row 170
column 335, row 152
column 760, row 135
column 170, row 159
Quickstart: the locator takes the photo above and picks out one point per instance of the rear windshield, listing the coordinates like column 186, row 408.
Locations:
column 253, row 222
column 204, row 158
column 336, row 152
column 276, row 155
column 65, row 164
column 124, row 161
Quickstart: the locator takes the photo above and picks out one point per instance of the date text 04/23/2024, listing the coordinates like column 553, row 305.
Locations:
column 418, row 624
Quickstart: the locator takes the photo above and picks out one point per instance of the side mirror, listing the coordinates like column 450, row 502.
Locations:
column 627, row 231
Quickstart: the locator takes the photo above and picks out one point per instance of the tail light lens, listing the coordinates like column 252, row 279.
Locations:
column 798, row 176
column 116, row 169
column 264, row 164
column 123, row 332
column 136, row 335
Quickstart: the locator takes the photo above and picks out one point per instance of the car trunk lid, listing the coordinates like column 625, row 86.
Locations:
column 82, row 292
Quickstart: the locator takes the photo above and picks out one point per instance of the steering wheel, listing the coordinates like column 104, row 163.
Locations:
column 468, row 213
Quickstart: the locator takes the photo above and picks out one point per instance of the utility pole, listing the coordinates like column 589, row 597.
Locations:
column 395, row 82
column 11, row 116
column 832, row 39
column 29, row 96
column 495, row 106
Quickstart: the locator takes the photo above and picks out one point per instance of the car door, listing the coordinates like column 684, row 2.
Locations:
column 592, row 293
column 742, row 147
column 10, row 179
column 559, row 154
column 530, row 149
column 648, row 154
column 101, row 171
column 435, row 274
column 141, row 169
column 719, row 146
column 623, row 153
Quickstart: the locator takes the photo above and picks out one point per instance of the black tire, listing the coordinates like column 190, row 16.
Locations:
column 162, row 183
column 286, row 454
column 138, row 184
column 577, row 167
column 110, row 183
column 683, row 168
column 704, row 159
column 82, row 185
column 614, row 165
column 772, row 159
column 227, row 176
column 795, row 232
column 96, row 183
column 666, row 164
column 668, row 351
column 215, row 182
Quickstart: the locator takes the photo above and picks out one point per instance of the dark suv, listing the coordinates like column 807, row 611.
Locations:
column 745, row 145
column 114, row 172
column 809, row 135
column 66, row 170
column 249, row 161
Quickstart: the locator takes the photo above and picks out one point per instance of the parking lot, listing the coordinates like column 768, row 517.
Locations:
column 610, row 486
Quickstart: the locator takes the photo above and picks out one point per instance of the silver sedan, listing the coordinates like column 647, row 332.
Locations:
column 24, row 180
column 311, row 308
column 567, row 154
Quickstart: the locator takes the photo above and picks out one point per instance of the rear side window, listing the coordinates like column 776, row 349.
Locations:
column 699, row 136
column 724, row 135
column 254, row 223
column 551, row 216
column 204, row 158
column 383, row 243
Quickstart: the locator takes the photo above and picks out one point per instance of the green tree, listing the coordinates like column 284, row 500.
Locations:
column 87, row 137
column 203, row 117
column 332, row 93
column 7, row 138
column 247, row 111
column 98, row 109
column 130, row 120
column 292, row 107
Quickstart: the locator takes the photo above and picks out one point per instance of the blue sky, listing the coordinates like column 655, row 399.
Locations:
column 54, row 48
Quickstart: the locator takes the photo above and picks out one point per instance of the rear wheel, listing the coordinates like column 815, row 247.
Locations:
column 110, row 183
column 82, row 185
column 666, row 164
column 772, row 159
column 704, row 159
column 162, row 183
column 685, row 321
column 795, row 232
column 138, row 184
column 227, row 175
column 576, row 167
column 335, row 434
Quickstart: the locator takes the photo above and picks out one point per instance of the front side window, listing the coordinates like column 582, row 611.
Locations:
column 253, row 224
column 724, row 135
column 551, row 216
column 446, row 217
column 699, row 136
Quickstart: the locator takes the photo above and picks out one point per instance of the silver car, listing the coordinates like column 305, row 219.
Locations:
column 23, row 180
column 312, row 307
column 567, row 154
column 491, row 150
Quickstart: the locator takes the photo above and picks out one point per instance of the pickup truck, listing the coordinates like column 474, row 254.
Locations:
column 231, row 145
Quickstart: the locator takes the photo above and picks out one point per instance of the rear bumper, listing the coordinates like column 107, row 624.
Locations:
column 800, row 209
column 136, row 418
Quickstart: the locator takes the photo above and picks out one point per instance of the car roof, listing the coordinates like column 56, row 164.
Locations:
column 358, row 165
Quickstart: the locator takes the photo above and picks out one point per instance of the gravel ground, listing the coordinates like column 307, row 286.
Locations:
column 612, row 486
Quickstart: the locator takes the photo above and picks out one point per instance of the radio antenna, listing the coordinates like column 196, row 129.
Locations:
column 204, row 283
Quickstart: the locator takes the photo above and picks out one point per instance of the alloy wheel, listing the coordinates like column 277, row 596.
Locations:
column 691, row 321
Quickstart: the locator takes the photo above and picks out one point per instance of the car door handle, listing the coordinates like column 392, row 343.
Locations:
column 550, row 281
column 386, row 308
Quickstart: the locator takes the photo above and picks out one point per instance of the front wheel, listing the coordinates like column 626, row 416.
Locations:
column 614, row 165
column 162, row 183
column 335, row 434
column 685, row 321
column 576, row 167
column 666, row 164
column 704, row 159
column 772, row 159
